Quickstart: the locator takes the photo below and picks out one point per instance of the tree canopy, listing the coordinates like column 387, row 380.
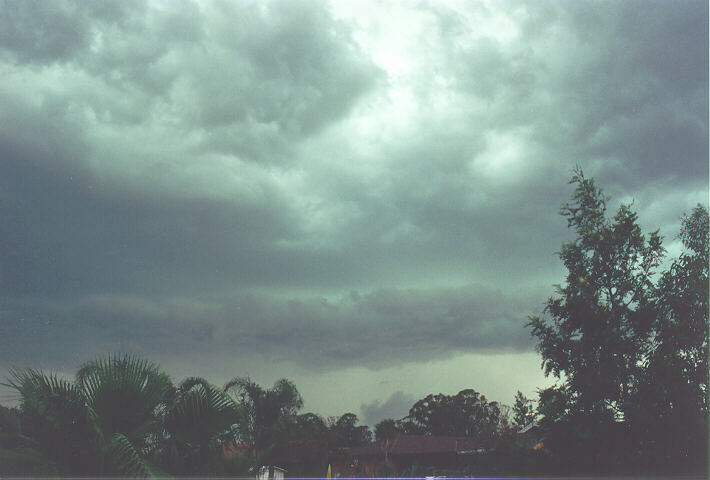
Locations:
column 627, row 342
column 597, row 325
column 523, row 410
column 466, row 414
column 266, row 409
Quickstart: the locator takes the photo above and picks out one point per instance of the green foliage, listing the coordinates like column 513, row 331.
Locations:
column 9, row 428
column 598, row 323
column 467, row 414
column 120, row 416
column 125, row 394
column 125, row 459
column 267, row 411
column 56, row 418
column 199, row 413
column 682, row 326
column 308, row 426
column 305, row 445
column 199, row 419
column 387, row 429
column 507, row 459
column 19, row 453
column 344, row 431
column 26, row 462
column 523, row 411
column 629, row 346
column 668, row 408
column 553, row 404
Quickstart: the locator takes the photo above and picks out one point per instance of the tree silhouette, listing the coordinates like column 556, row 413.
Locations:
column 630, row 348
column 597, row 324
column 523, row 411
column 669, row 407
column 267, row 410
column 387, row 429
column 468, row 413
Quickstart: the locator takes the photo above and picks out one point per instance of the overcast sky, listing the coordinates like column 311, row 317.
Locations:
column 359, row 196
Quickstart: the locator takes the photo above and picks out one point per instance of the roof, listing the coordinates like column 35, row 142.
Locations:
column 417, row 445
column 528, row 427
column 374, row 448
column 229, row 449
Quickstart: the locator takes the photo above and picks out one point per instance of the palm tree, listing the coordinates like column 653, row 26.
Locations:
column 126, row 397
column 54, row 421
column 266, row 410
column 123, row 416
column 201, row 418
column 103, row 423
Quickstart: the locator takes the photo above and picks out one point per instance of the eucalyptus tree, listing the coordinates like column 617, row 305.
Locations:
column 523, row 410
column 669, row 406
column 627, row 343
column 595, row 328
column 468, row 413
column 387, row 429
column 345, row 432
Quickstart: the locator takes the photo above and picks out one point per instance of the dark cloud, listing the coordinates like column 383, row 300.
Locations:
column 376, row 329
column 636, row 93
column 217, row 176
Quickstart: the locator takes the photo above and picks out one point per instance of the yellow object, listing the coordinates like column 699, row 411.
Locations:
column 329, row 474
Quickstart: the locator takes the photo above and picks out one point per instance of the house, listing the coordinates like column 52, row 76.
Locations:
column 364, row 460
column 532, row 436
column 271, row 473
column 405, row 452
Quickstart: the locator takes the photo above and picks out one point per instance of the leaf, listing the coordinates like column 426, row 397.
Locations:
column 125, row 458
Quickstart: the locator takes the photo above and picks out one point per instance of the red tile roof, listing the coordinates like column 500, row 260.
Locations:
column 374, row 448
column 229, row 449
column 417, row 445
column 420, row 444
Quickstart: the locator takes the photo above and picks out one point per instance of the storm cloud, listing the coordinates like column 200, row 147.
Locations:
column 325, row 185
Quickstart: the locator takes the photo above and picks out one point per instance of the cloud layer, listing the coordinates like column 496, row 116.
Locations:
column 326, row 184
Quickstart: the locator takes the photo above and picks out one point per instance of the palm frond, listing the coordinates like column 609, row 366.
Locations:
column 125, row 393
column 201, row 413
column 124, row 457
column 56, row 417
column 190, row 382
column 34, row 385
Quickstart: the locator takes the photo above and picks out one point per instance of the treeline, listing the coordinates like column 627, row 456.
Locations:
column 466, row 414
column 123, row 416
